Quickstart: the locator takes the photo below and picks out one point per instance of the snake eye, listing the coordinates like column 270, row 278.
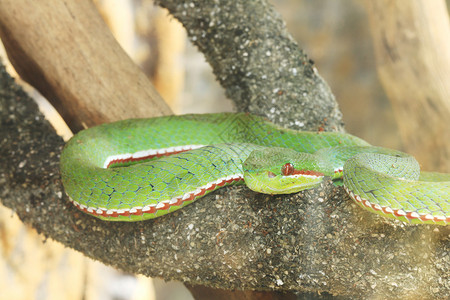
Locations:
column 287, row 169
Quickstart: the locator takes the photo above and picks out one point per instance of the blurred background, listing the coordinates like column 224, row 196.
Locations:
column 334, row 34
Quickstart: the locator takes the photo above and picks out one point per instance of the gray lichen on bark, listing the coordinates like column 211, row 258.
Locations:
column 258, row 63
column 317, row 240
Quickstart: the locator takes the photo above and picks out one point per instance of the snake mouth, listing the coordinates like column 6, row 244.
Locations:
column 270, row 183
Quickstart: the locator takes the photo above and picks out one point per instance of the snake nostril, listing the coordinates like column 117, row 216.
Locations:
column 271, row 174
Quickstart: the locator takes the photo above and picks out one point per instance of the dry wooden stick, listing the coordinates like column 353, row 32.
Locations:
column 54, row 45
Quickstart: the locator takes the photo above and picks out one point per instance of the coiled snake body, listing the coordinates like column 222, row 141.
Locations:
column 141, row 169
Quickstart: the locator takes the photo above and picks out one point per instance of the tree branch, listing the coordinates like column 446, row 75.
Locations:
column 65, row 50
column 316, row 240
column 412, row 47
column 257, row 62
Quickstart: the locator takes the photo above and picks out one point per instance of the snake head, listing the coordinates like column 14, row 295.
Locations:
column 281, row 171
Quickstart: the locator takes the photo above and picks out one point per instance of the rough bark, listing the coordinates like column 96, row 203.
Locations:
column 317, row 240
column 257, row 62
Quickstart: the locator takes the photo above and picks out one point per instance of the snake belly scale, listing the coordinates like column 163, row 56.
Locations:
column 141, row 169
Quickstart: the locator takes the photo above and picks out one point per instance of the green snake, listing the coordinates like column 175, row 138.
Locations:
column 141, row 169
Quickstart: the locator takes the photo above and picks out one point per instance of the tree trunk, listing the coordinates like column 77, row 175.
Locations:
column 412, row 48
column 65, row 50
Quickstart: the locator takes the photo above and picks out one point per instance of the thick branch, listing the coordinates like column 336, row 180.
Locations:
column 64, row 49
column 317, row 240
column 257, row 61
column 412, row 47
